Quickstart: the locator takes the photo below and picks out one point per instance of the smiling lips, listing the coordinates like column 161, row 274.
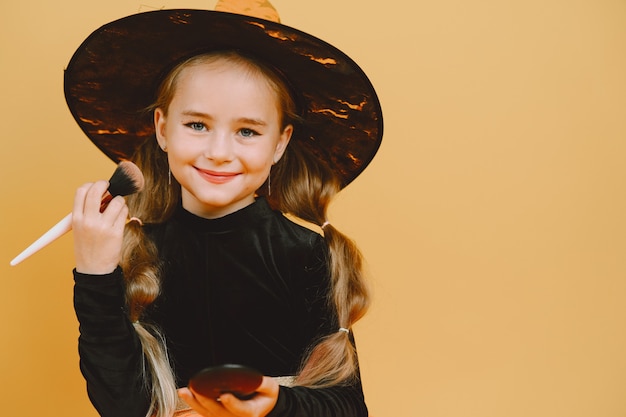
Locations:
column 216, row 177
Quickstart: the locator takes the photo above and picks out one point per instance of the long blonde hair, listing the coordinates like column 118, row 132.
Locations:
column 301, row 185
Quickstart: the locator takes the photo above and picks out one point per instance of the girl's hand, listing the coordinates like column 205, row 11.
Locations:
column 97, row 236
column 230, row 406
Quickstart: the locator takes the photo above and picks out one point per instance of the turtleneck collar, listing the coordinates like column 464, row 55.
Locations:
column 243, row 218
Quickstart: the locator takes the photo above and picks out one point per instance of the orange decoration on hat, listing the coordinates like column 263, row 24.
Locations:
column 262, row 9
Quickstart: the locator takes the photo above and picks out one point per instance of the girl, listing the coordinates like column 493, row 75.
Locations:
column 252, row 119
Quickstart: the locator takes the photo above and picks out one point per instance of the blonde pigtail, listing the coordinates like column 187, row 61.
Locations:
column 334, row 360
column 305, row 189
column 142, row 274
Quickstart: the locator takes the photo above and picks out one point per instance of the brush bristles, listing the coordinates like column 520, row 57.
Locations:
column 127, row 179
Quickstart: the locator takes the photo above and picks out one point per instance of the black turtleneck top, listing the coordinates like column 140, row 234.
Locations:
column 249, row 288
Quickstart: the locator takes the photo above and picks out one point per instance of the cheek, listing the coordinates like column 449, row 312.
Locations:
column 180, row 148
column 259, row 161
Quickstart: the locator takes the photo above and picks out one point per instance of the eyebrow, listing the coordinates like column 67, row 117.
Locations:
column 256, row 122
column 246, row 120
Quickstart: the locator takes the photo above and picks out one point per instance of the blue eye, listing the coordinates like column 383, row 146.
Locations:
column 199, row 126
column 247, row 133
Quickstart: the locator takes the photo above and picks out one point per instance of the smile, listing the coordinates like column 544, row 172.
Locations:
column 216, row 177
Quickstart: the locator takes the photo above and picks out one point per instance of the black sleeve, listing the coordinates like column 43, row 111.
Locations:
column 111, row 357
column 337, row 401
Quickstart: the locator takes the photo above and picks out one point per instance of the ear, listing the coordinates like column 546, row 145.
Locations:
column 159, row 128
column 283, row 141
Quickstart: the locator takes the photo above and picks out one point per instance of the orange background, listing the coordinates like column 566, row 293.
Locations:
column 493, row 218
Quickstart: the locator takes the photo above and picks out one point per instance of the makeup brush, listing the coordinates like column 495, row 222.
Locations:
column 127, row 179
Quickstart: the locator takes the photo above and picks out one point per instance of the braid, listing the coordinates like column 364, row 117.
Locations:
column 142, row 274
column 305, row 187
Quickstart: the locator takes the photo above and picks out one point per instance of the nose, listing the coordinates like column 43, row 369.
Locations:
column 219, row 147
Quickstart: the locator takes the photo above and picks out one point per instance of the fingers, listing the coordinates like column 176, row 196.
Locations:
column 204, row 406
column 88, row 195
column 88, row 202
column 260, row 405
column 93, row 198
column 79, row 200
column 269, row 386
column 229, row 405
column 97, row 235
column 117, row 213
column 186, row 396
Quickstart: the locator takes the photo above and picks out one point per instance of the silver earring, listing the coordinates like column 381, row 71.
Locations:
column 169, row 176
column 269, row 184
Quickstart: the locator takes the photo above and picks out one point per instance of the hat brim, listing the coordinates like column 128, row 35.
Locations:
column 114, row 74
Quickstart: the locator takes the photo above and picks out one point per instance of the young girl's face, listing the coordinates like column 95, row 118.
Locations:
column 222, row 133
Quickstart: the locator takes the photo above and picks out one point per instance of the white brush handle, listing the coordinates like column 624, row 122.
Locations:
column 58, row 230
